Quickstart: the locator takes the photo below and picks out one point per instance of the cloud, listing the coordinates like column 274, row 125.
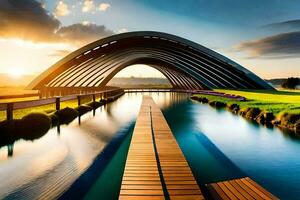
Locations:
column 61, row 9
column 104, row 6
column 277, row 46
column 122, row 30
column 286, row 26
column 83, row 33
column 28, row 20
column 88, row 5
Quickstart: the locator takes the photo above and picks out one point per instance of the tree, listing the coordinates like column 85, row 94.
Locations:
column 291, row 83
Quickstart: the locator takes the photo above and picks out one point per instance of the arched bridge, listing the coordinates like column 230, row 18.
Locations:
column 187, row 65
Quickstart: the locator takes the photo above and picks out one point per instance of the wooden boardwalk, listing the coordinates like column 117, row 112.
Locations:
column 244, row 188
column 155, row 166
column 157, row 169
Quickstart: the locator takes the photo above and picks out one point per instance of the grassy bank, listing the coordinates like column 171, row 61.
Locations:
column 269, row 101
column 280, row 108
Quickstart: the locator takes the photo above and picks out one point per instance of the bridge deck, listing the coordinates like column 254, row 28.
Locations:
column 155, row 166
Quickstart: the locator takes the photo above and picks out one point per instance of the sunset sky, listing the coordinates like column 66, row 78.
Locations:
column 261, row 35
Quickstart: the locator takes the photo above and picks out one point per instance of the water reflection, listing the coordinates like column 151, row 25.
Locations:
column 270, row 156
column 46, row 166
column 217, row 144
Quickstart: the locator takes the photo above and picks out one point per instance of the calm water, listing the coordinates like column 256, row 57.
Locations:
column 217, row 145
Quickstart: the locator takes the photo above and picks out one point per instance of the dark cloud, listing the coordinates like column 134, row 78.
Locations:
column 281, row 45
column 82, row 33
column 26, row 19
column 29, row 20
column 286, row 26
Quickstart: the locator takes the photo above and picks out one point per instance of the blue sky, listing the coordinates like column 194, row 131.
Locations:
column 257, row 34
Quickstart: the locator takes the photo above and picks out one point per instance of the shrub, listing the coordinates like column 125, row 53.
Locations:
column 33, row 126
column 297, row 126
column 54, row 119
column 252, row 113
column 288, row 120
column 82, row 109
column 95, row 104
column 291, row 83
column 66, row 115
column 195, row 97
column 103, row 101
column 234, row 108
column 217, row 104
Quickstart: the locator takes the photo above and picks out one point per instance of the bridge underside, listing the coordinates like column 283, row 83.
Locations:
column 185, row 64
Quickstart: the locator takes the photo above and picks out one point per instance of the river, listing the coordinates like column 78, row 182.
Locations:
column 217, row 144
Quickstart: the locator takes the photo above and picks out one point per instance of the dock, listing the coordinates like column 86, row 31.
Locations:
column 243, row 188
column 156, row 168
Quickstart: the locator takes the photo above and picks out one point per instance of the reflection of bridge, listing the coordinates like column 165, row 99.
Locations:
column 185, row 64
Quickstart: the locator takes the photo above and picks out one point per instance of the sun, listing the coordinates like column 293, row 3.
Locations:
column 16, row 72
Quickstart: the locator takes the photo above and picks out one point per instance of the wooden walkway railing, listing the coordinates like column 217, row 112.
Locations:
column 155, row 166
column 11, row 106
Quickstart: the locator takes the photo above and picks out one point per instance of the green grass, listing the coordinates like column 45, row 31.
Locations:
column 269, row 101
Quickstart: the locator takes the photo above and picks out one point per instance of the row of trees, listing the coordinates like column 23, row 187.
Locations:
column 291, row 83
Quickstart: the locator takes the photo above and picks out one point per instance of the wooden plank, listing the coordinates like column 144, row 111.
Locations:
column 227, row 191
column 249, row 191
column 244, row 188
column 186, row 197
column 261, row 188
column 140, row 197
column 241, row 190
column 216, row 192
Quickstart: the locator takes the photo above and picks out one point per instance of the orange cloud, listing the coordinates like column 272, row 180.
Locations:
column 31, row 21
column 62, row 9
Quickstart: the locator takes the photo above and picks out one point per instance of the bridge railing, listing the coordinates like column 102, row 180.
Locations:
column 9, row 107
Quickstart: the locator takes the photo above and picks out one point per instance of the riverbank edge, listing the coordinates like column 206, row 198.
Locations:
column 287, row 121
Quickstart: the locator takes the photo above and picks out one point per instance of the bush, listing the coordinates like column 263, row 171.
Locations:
column 54, row 119
column 103, row 101
column 33, row 126
column 252, row 113
column 297, row 126
column 291, row 83
column 66, row 115
column 265, row 118
column 217, row 104
column 82, row 109
column 289, row 120
column 234, row 108
column 195, row 97
column 95, row 104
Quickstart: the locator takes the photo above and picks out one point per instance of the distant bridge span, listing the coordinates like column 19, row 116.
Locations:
column 187, row 65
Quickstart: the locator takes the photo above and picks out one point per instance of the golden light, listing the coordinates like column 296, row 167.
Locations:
column 16, row 72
